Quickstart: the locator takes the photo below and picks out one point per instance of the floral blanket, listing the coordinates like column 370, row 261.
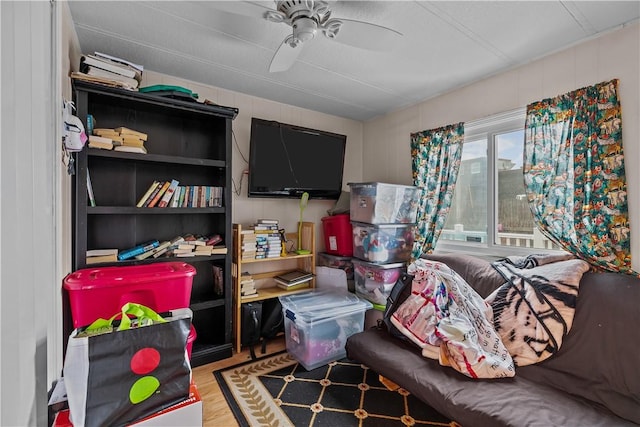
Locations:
column 447, row 318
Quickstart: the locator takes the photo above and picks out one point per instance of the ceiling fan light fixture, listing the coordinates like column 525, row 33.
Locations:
column 304, row 29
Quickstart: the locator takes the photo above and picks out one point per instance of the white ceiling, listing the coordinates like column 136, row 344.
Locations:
column 445, row 45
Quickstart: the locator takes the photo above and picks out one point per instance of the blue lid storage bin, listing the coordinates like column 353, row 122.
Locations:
column 318, row 323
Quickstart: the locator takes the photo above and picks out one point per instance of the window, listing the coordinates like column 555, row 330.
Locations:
column 489, row 212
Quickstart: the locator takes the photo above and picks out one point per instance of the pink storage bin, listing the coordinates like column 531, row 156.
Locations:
column 101, row 292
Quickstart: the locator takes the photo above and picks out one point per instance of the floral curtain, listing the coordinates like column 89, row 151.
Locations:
column 435, row 156
column 574, row 174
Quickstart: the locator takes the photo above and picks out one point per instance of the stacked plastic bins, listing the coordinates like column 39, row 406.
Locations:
column 101, row 292
column 383, row 218
column 318, row 323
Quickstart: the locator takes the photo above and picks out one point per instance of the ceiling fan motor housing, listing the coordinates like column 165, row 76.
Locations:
column 304, row 29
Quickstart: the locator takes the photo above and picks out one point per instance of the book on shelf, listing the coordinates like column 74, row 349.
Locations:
column 130, row 149
column 168, row 194
column 92, row 199
column 96, row 256
column 183, row 250
column 203, row 250
column 159, row 194
column 109, row 65
column 100, row 142
column 124, row 131
column 121, row 61
column 301, row 285
column 161, row 247
column 148, row 193
column 218, row 250
column 218, row 280
column 132, row 141
column 214, row 240
column 160, row 252
column 267, row 221
column 106, row 132
column 153, row 193
column 99, row 72
column 173, row 203
column 137, row 250
column 185, row 254
column 294, row 276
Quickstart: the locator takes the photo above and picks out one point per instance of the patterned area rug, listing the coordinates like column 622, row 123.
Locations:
column 276, row 391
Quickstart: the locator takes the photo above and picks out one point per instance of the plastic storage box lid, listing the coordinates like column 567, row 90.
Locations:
column 368, row 264
column 116, row 276
column 315, row 306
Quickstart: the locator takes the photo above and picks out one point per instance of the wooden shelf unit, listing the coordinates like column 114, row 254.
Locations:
column 264, row 270
column 187, row 141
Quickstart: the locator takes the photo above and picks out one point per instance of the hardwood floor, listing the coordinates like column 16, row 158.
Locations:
column 216, row 412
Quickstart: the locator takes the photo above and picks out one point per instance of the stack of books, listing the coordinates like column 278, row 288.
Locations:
column 293, row 280
column 268, row 239
column 247, row 285
column 132, row 140
column 110, row 71
column 191, row 245
column 248, row 244
column 118, row 139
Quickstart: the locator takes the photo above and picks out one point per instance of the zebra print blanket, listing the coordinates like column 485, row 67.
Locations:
column 533, row 311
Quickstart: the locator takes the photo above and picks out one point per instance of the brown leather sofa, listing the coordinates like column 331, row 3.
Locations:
column 593, row 380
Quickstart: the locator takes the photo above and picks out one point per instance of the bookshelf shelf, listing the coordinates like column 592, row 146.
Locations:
column 187, row 141
column 264, row 270
column 129, row 210
column 155, row 158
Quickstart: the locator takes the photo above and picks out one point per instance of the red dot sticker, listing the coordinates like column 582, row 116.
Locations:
column 145, row 360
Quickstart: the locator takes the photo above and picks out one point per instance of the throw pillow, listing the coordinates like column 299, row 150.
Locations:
column 533, row 311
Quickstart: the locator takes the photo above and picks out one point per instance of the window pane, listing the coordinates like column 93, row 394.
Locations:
column 467, row 219
column 515, row 225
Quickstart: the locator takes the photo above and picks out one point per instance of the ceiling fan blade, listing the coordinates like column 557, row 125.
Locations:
column 366, row 35
column 286, row 55
column 251, row 9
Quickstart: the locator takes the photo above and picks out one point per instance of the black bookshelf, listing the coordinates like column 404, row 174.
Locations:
column 187, row 141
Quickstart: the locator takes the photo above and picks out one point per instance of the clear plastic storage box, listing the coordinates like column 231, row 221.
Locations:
column 375, row 281
column 381, row 203
column 318, row 323
column 382, row 243
column 339, row 262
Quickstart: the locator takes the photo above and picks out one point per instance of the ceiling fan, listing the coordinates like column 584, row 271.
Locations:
column 307, row 18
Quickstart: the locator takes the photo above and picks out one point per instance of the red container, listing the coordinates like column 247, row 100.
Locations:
column 101, row 292
column 337, row 235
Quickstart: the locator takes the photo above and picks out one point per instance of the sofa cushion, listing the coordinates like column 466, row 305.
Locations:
column 599, row 357
column 477, row 272
column 516, row 401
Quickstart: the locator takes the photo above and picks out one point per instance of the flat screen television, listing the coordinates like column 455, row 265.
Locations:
column 286, row 161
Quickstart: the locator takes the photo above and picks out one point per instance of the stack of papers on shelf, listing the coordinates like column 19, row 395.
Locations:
column 109, row 70
column 292, row 280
